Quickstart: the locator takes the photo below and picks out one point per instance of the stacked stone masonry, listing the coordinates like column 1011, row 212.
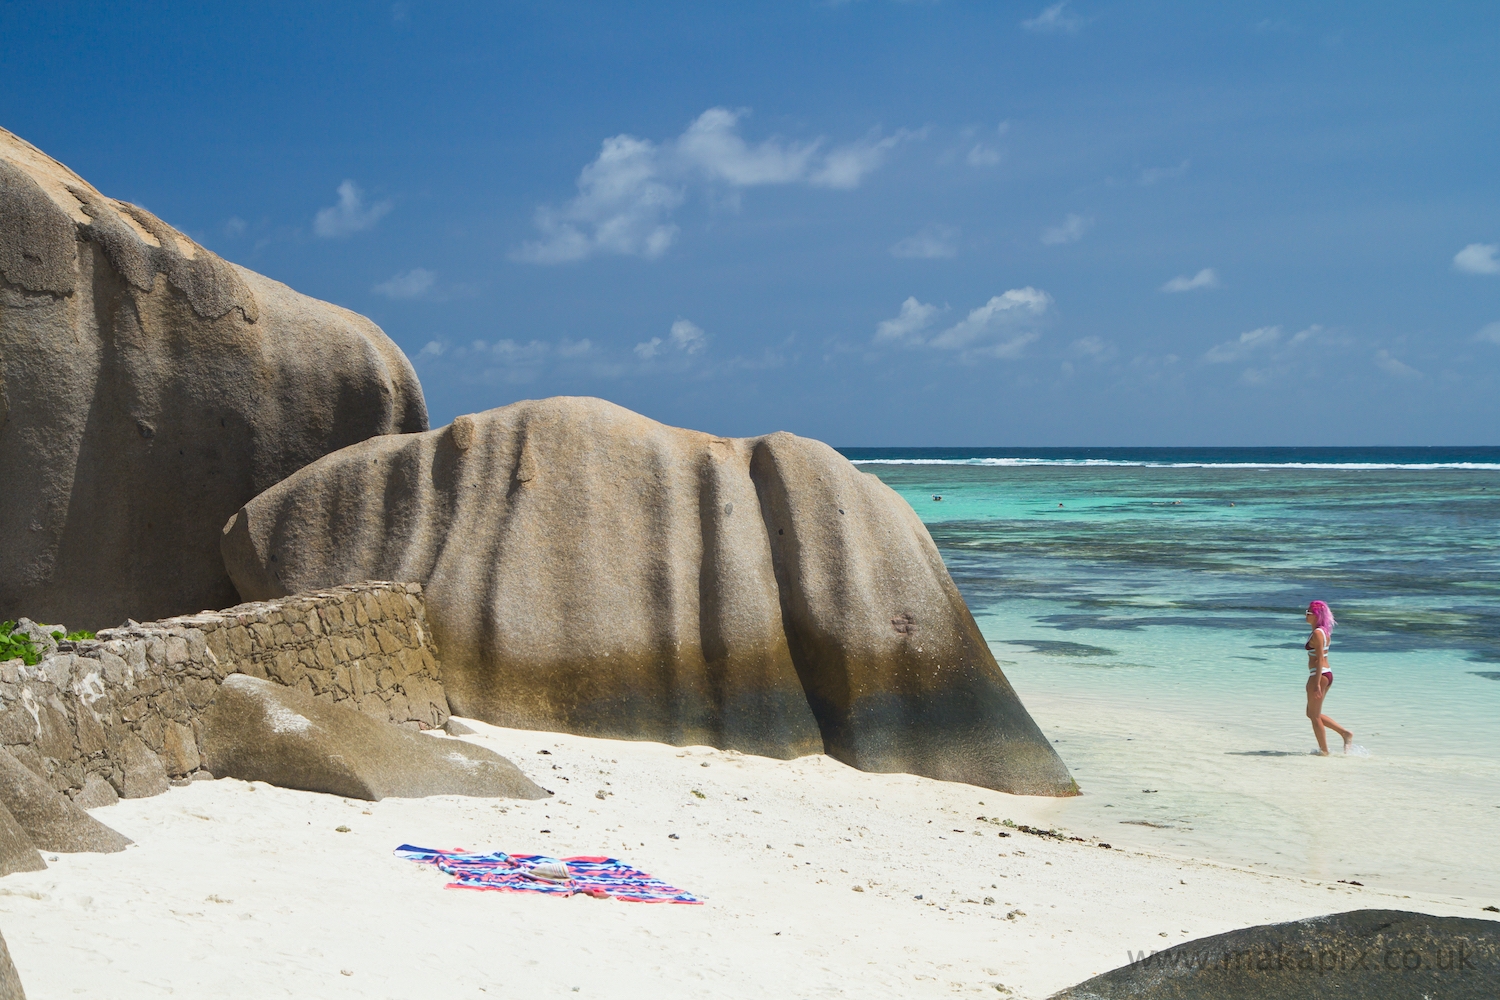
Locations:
column 124, row 710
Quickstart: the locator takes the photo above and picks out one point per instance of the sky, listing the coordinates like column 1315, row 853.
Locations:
column 870, row 222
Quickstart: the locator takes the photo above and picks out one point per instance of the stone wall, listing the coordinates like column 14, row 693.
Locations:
column 120, row 714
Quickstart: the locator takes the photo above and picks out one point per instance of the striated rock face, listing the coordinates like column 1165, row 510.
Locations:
column 260, row 731
column 148, row 388
column 589, row 570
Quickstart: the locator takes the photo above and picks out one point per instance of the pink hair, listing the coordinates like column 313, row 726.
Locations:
column 1320, row 610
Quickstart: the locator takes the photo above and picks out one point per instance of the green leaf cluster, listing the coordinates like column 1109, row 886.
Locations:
column 13, row 645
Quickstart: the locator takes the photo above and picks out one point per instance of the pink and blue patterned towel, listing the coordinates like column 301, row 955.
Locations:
column 598, row 877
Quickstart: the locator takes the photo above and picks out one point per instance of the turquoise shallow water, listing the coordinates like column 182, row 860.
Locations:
column 1150, row 617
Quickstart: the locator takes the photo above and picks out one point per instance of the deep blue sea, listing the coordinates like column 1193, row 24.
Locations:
column 1147, row 605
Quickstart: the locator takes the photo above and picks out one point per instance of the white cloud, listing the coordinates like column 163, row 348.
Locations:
column 621, row 207
column 1205, row 278
column 1302, row 335
column 1489, row 333
column 982, row 156
column 234, row 226
column 909, row 323
column 627, row 195
column 1054, row 19
column 1389, row 364
column 931, row 243
column 1000, row 313
column 503, row 361
column 997, row 329
column 1096, row 348
column 350, row 215
column 1151, row 175
column 688, row 336
column 685, row 336
column 1234, row 350
column 1070, row 230
column 1478, row 258
column 844, row 167
column 712, row 144
column 407, row 285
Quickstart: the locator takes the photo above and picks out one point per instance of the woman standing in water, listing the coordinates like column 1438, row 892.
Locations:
column 1320, row 676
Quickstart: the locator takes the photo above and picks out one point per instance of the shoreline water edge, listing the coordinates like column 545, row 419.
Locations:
column 1147, row 604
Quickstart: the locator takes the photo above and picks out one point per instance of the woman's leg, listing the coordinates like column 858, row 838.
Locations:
column 1315, row 692
column 1326, row 682
column 1322, row 721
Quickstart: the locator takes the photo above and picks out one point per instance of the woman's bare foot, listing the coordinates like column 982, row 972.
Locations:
column 1348, row 741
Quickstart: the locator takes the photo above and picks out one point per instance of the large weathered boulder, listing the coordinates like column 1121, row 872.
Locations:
column 587, row 569
column 148, row 388
column 51, row 820
column 17, row 852
column 259, row 731
column 10, row 980
column 1357, row 955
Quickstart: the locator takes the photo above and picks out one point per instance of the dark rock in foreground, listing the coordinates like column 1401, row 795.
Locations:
column 1358, row 955
column 148, row 388
column 10, row 980
column 17, row 852
column 51, row 821
column 260, row 731
column 589, row 570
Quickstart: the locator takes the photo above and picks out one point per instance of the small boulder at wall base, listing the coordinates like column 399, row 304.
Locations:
column 1356, row 955
column 51, row 820
column 148, row 388
column 589, row 570
column 261, row 731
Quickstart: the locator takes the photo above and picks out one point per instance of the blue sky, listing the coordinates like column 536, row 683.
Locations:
column 875, row 223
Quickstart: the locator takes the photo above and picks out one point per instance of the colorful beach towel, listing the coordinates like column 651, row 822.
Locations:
column 598, row 877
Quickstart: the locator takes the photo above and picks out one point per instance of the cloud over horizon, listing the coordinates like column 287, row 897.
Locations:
column 1234, row 350
column 1070, row 230
column 1054, row 20
column 1391, row 365
column 684, row 336
column 1205, row 278
column 627, row 195
column 351, row 214
column 407, row 285
column 989, row 330
column 1478, row 258
column 1150, row 175
column 932, row 242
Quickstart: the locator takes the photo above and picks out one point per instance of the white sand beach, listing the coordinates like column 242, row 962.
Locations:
column 818, row 881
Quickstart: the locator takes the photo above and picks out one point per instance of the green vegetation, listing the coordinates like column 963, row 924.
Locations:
column 13, row 646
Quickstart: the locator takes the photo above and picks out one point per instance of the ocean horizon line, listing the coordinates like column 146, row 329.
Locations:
column 1353, row 458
